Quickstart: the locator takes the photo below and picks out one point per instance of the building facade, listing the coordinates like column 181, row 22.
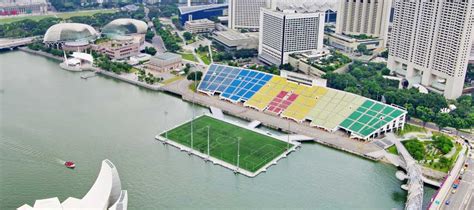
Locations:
column 245, row 14
column 430, row 43
column 370, row 17
column 234, row 40
column 18, row 7
column 285, row 32
column 121, row 47
column 165, row 62
column 200, row 26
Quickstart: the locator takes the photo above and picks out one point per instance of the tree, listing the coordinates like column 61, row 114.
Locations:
column 362, row 48
column 187, row 36
column 187, row 68
column 287, row 66
column 149, row 36
column 415, row 148
column 443, row 119
column 150, row 50
column 459, row 123
column 195, row 76
column 425, row 114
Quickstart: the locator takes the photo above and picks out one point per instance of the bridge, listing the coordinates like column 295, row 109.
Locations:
column 414, row 186
column 14, row 43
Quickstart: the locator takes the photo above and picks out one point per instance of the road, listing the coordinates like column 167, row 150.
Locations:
column 435, row 127
column 463, row 199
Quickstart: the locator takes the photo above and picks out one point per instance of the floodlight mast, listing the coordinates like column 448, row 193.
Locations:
column 208, row 145
column 166, row 131
column 192, row 121
column 238, row 153
column 288, row 138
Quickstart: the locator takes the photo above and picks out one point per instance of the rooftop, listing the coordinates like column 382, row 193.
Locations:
column 235, row 35
column 191, row 9
column 167, row 56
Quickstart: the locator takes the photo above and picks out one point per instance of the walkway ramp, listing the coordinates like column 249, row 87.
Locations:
column 254, row 124
column 216, row 112
column 299, row 138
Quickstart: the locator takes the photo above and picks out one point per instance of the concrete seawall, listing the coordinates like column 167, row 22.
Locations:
column 45, row 54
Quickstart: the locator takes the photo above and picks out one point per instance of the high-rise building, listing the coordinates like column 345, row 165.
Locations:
column 245, row 14
column 370, row 17
column 285, row 32
column 430, row 43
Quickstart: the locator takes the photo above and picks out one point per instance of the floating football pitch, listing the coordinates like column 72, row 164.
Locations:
column 255, row 149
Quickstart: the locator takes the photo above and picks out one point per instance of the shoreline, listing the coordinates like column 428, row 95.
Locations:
column 164, row 89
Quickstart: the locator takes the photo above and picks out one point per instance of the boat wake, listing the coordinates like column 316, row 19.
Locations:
column 30, row 152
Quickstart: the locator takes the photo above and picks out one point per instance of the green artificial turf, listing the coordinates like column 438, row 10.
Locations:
column 256, row 150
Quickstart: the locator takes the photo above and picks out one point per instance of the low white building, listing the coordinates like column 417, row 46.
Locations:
column 200, row 26
column 234, row 40
column 165, row 62
column 106, row 193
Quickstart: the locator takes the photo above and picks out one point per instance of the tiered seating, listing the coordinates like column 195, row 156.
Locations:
column 333, row 107
column 218, row 78
column 266, row 94
column 281, row 102
column 307, row 99
column 324, row 107
column 245, row 85
column 369, row 117
column 232, row 83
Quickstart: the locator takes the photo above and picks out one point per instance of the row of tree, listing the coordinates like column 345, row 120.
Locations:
column 367, row 80
column 28, row 27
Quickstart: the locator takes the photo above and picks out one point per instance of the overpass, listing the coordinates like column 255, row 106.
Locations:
column 414, row 186
column 14, row 43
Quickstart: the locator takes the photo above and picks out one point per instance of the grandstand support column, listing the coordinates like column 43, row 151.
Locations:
column 166, row 130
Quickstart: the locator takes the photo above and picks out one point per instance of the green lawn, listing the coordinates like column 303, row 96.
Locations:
column 188, row 56
column 63, row 15
column 204, row 57
column 410, row 128
column 256, row 149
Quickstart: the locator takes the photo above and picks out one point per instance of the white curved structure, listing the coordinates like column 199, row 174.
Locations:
column 106, row 193
column 64, row 32
column 124, row 26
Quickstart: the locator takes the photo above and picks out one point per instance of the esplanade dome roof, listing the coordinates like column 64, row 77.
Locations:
column 124, row 26
column 70, row 32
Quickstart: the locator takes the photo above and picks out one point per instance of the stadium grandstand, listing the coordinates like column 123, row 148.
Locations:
column 321, row 107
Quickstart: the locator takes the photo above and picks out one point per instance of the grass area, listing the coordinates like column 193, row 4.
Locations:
column 392, row 150
column 168, row 81
column 193, row 86
column 256, row 150
column 204, row 57
column 63, row 15
column 410, row 128
column 188, row 56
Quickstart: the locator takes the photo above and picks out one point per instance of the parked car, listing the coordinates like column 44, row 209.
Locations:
column 454, row 191
column 448, row 202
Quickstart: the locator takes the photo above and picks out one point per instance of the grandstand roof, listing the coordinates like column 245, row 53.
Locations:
column 191, row 9
column 325, row 108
